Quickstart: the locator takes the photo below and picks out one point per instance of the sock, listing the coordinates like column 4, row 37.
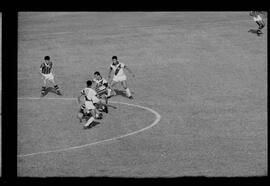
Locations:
column 89, row 121
column 43, row 89
column 128, row 92
column 56, row 87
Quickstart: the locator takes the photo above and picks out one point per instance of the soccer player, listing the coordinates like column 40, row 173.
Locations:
column 119, row 75
column 102, row 87
column 258, row 19
column 82, row 113
column 46, row 72
column 90, row 98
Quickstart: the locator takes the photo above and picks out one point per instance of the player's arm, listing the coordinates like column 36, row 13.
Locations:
column 128, row 69
column 40, row 68
column 109, row 74
column 52, row 70
column 40, row 71
column 79, row 97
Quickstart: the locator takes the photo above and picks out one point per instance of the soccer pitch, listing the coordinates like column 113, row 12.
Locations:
column 200, row 95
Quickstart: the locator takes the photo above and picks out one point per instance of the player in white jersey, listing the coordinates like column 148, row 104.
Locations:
column 90, row 98
column 119, row 75
column 258, row 19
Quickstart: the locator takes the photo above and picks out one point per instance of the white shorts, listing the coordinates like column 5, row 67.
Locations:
column 48, row 76
column 89, row 105
column 119, row 78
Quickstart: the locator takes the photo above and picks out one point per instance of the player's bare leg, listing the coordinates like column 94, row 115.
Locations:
column 124, row 84
column 109, row 93
column 56, row 87
column 43, row 88
column 104, row 103
column 90, row 120
column 112, row 85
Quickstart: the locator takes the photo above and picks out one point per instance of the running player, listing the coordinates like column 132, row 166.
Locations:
column 102, row 87
column 119, row 75
column 258, row 19
column 90, row 98
column 46, row 72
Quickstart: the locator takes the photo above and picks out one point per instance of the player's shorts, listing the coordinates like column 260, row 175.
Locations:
column 89, row 105
column 119, row 78
column 48, row 76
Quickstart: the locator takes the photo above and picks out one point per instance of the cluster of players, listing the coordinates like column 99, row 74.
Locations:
column 97, row 91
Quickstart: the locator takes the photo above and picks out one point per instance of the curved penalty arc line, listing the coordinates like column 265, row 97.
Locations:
column 158, row 117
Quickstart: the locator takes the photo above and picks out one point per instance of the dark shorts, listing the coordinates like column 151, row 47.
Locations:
column 85, row 114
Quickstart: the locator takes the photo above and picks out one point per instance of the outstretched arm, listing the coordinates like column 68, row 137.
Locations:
column 79, row 99
column 109, row 74
column 40, row 68
column 40, row 71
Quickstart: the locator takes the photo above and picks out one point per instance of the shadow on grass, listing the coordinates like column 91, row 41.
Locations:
column 52, row 90
column 121, row 93
column 254, row 31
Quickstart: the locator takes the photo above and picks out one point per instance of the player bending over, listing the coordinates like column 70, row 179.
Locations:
column 90, row 105
column 46, row 72
column 102, row 87
column 119, row 75
column 258, row 19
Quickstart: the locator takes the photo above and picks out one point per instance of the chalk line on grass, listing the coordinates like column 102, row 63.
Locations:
column 158, row 117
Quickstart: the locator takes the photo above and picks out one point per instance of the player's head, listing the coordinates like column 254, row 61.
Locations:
column 97, row 75
column 89, row 83
column 114, row 60
column 47, row 58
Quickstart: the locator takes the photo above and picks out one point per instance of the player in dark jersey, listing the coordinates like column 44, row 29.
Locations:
column 46, row 72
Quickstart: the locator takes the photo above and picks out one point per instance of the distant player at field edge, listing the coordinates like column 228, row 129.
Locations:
column 258, row 19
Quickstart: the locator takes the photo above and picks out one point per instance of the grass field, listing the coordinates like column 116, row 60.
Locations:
column 203, row 72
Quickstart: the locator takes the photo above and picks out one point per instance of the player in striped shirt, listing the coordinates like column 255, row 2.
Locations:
column 119, row 75
column 102, row 86
column 46, row 72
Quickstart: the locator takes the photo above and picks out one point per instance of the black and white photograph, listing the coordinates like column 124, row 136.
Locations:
column 141, row 94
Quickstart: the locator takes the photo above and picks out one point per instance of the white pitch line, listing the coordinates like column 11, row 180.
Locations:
column 158, row 117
